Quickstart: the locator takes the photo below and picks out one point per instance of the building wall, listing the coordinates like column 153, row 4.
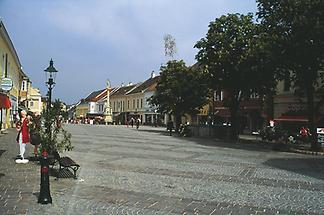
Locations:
column 35, row 101
column 82, row 110
column 13, row 71
column 286, row 101
column 92, row 107
column 136, row 102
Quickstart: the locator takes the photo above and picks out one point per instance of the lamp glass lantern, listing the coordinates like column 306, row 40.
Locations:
column 50, row 72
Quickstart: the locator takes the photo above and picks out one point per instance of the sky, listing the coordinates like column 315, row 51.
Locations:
column 91, row 41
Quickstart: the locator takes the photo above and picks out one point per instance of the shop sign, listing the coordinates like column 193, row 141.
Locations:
column 6, row 84
column 320, row 136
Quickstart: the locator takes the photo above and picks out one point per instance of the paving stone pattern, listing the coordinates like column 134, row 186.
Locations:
column 125, row 171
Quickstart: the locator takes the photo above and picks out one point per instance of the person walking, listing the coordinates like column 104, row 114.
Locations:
column 132, row 122
column 170, row 127
column 138, row 122
column 23, row 136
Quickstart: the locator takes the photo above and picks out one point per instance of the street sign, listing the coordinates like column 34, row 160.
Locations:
column 6, row 84
column 320, row 136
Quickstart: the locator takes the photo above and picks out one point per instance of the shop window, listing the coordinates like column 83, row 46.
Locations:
column 254, row 96
column 218, row 96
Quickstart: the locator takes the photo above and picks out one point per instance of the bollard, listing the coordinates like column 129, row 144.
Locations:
column 44, row 195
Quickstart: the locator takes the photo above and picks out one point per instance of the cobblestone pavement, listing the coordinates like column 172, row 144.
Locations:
column 125, row 171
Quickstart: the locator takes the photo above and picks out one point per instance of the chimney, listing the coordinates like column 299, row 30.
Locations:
column 152, row 74
column 130, row 83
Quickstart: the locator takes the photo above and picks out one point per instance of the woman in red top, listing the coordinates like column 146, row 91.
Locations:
column 23, row 136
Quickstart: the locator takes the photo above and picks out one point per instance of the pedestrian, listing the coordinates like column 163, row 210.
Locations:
column 170, row 127
column 23, row 136
column 304, row 133
column 138, row 121
column 132, row 122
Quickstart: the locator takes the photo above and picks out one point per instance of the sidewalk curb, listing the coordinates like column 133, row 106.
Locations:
column 307, row 152
column 283, row 149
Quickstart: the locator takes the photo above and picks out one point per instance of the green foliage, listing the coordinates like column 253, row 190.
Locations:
column 180, row 90
column 56, row 140
column 296, row 31
column 232, row 53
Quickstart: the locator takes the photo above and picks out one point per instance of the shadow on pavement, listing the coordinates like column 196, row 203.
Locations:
column 312, row 167
column 160, row 132
column 36, row 194
column 64, row 173
column 2, row 151
column 243, row 145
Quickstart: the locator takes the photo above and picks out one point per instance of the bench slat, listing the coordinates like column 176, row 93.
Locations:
column 66, row 161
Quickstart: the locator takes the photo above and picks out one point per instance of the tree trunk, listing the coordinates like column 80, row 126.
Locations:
column 234, row 130
column 310, row 113
column 177, row 121
column 269, row 107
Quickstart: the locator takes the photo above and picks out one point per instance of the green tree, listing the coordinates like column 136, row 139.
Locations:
column 296, row 31
column 56, row 140
column 231, row 53
column 179, row 91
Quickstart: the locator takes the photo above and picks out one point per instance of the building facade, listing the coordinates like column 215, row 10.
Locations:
column 35, row 104
column 10, row 68
column 290, row 109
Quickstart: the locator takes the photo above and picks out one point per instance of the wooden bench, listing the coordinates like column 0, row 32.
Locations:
column 66, row 163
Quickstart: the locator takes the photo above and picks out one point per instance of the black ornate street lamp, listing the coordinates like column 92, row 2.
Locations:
column 50, row 72
column 45, row 195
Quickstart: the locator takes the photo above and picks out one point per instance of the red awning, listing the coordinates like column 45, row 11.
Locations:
column 292, row 119
column 4, row 101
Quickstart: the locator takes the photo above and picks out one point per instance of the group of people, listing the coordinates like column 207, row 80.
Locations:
column 132, row 121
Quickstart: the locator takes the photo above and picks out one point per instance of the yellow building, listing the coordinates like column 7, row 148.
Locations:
column 81, row 110
column 35, row 103
column 11, row 70
column 120, row 104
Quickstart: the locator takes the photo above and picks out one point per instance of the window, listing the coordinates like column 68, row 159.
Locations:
column 100, row 108
column 3, row 65
column 23, row 86
column 137, row 103
column 127, row 104
column 133, row 103
column 31, row 103
column 286, row 84
column 218, row 96
column 254, row 96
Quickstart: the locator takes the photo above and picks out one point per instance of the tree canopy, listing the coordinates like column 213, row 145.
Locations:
column 295, row 29
column 229, row 53
column 179, row 90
